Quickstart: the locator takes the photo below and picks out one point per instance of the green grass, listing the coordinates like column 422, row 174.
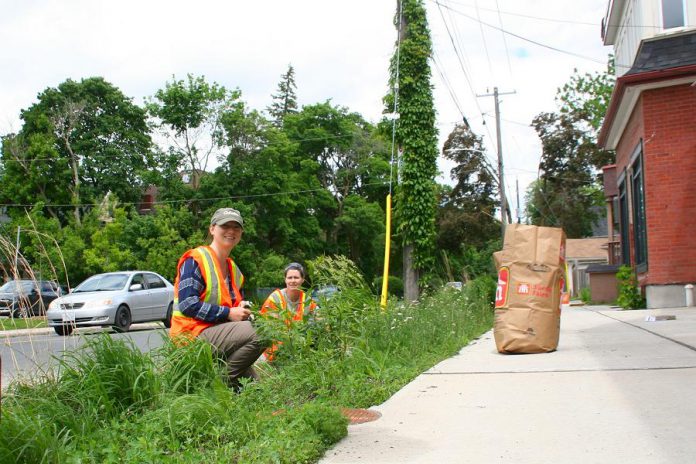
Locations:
column 110, row 403
column 22, row 323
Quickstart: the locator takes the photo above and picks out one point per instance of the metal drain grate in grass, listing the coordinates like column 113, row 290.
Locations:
column 359, row 416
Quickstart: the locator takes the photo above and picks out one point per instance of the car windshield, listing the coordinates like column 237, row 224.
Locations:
column 103, row 283
column 17, row 286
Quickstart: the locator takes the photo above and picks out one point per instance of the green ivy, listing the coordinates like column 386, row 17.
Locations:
column 415, row 133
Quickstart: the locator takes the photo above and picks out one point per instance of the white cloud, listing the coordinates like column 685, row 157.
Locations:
column 340, row 50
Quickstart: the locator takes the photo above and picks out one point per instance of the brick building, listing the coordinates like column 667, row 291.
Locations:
column 651, row 123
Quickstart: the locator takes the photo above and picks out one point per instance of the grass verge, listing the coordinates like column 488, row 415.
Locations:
column 110, row 403
column 22, row 323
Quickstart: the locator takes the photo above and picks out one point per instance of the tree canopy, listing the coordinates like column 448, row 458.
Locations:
column 567, row 193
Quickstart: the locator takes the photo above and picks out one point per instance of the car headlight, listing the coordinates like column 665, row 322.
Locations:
column 53, row 304
column 97, row 303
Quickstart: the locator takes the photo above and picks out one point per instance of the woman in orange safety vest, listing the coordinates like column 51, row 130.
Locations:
column 290, row 303
column 208, row 300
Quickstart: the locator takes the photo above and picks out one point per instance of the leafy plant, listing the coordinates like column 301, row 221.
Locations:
column 629, row 292
column 585, row 295
column 395, row 285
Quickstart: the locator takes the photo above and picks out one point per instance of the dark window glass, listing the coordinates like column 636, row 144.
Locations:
column 623, row 219
column 46, row 287
column 138, row 279
column 638, row 207
column 154, row 281
column 672, row 13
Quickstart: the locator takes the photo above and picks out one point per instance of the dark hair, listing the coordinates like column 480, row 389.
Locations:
column 295, row 267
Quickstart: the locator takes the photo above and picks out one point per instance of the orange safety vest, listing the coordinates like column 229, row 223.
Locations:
column 277, row 304
column 215, row 290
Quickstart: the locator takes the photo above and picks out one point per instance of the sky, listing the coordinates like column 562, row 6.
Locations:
column 340, row 50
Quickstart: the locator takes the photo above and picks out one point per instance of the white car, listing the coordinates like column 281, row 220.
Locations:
column 114, row 299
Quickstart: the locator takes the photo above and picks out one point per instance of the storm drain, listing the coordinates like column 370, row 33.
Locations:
column 360, row 416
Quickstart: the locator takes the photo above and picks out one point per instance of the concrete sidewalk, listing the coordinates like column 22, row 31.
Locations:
column 618, row 390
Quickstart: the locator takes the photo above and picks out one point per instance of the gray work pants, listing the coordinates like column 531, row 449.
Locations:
column 236, row 343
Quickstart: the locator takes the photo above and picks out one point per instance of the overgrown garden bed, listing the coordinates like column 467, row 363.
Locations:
column 111, row 403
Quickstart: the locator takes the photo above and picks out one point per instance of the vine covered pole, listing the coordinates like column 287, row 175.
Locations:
column 416, row 136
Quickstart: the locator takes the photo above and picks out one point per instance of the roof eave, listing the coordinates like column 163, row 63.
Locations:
column 611, row 128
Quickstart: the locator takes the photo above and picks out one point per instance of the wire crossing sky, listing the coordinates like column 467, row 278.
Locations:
column 340, row 50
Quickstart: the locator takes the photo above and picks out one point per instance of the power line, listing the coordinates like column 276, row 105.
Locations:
column 485, row 43
column 507, row 51
column 521, row 15
column 550, row 47
column 445, row 81
column 116, row 155
column 463, row 68
column 188, row 200
column 554, row 20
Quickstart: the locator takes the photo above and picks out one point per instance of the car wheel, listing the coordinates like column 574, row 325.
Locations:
column 38, row 309
column 168, row 318
column 63, row 329
column 122, row 321
column 17, row 312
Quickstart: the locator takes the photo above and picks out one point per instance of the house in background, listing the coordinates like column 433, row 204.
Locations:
column 651, row 124
column 581, row 254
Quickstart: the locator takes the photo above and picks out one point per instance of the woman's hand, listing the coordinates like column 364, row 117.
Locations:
column 240, row 313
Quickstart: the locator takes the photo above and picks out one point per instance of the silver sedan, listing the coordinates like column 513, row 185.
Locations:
column 114, row 299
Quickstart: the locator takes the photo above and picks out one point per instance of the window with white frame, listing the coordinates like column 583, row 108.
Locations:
column 672, row 13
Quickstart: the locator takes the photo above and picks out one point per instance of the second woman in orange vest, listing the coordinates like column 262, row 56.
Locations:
column 289, row 304
column 208, row 300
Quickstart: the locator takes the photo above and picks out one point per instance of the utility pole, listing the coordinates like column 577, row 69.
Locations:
column 517, row 187
column 501, row 177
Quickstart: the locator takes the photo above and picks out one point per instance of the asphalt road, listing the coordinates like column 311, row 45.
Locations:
column 28, row 356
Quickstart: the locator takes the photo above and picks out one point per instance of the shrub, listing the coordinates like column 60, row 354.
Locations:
column 629, row 292
column 395, row 286
column 586, row 295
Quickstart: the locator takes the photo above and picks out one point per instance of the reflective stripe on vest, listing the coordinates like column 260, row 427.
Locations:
column 216, row 291
column 279, row 299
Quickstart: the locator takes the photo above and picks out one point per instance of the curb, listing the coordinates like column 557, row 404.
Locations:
column 49, row 330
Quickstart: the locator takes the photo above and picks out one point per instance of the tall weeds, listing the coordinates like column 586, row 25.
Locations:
column 109, row 402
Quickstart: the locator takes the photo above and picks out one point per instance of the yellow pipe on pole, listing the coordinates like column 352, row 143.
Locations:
column 387, row 246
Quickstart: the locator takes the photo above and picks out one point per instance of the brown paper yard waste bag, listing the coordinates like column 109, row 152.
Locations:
column 528, row 298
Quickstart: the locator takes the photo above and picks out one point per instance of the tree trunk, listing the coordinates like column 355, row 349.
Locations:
column 410, row 276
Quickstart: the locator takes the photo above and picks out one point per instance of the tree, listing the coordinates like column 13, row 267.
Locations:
column 567, row 193
column 266, row 174
column 343, row 151
column 78, row 142
column 466, row 214
column 417, row 138
column 285, row 100
column 586, row 97
column 189, row 114
column 361, row 234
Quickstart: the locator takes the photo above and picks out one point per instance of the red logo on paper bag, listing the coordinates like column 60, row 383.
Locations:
column 538, row 290
column 502, row 290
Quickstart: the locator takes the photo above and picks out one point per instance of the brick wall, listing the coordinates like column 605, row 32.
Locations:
column 665, row 119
